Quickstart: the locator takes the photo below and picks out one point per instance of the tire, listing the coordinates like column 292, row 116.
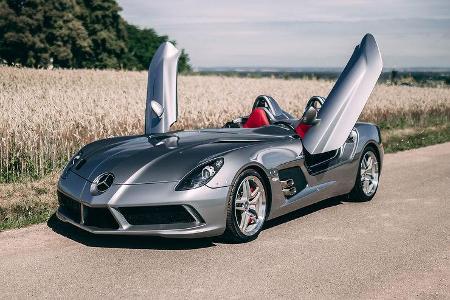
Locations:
column 246, row 211
column 367, row 182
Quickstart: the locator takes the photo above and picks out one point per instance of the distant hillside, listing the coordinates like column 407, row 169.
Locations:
column 75, row 34
column 431, row 77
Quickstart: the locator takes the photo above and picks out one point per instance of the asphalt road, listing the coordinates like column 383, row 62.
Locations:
column 396, row 246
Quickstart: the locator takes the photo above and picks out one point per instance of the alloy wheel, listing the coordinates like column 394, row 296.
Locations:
column 250, row 205
column 369, row 173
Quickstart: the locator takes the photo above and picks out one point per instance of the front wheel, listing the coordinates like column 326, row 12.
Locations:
column 247, row 203
column 368, row 176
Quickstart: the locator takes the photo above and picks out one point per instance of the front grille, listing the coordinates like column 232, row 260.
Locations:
column 151, row 215
column 100, row 217
column 69, row 207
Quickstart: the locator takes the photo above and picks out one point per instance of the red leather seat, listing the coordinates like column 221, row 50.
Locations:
column 302, row 129
column 257, row 118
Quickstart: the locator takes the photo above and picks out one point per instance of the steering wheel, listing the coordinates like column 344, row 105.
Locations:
column 284, row 124
column 316, row 102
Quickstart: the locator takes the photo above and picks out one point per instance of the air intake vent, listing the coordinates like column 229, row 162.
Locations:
column 69, row 207
column 99, row 217
column 151, row 215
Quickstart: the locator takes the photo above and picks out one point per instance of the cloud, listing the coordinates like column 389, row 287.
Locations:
column 298, row 33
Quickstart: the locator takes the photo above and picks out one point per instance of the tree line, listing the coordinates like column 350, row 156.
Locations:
column 75, row 34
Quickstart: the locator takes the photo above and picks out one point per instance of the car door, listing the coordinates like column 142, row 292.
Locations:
column 346, row 100
column 161, row 109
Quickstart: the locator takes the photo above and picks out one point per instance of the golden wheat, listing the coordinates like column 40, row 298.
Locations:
column 46, row 115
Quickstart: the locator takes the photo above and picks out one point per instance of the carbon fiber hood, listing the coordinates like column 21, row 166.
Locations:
column 161, row 158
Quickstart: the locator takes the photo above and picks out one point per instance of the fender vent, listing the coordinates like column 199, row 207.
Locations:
column 316, row 163
column 293, row 180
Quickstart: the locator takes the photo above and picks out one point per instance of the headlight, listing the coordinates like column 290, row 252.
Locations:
column 201, row 175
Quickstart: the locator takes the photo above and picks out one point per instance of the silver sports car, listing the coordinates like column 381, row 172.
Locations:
column 226, row 181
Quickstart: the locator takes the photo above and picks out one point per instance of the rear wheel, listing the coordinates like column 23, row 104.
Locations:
column 367, row 179
column 247, row 204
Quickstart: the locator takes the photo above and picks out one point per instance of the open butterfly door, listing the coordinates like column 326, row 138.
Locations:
column 161, row 109
column 346, row 100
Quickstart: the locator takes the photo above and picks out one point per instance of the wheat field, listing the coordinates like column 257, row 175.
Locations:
column 46, row 115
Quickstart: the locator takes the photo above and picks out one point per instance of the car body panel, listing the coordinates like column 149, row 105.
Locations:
column 162, row 90
column 134, row 160
column 346, row 100
column 268, row 150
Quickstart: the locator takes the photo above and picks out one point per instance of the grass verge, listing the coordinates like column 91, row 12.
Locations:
column 24, row 204
column 411, row 138
column 24, row 214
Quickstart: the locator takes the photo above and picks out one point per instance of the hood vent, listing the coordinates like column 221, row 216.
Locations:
column 80, row 164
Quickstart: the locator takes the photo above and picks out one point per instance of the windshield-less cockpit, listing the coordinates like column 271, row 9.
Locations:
column 266, row 111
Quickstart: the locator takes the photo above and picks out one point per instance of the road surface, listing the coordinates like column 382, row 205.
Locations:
column 396, row 246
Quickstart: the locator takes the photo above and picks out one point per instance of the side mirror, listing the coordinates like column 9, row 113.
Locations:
column 157, row 108
column 310, row 116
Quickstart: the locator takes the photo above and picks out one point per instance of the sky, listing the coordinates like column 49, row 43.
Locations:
column 289, row 33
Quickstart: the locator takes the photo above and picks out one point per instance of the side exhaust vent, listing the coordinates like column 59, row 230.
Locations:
column 292, row 181
column 288, row 187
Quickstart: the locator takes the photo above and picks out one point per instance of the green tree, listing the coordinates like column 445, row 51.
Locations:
column 66, row 38
column 75, row 34
column 21, row 37
column 36, row 32
column 107, row 32
column 183, row 64
column 142, row 45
